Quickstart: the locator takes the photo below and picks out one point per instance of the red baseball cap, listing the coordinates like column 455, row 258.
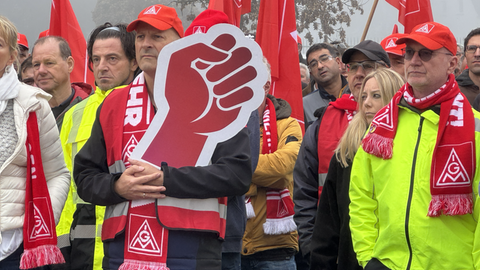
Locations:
column 433, row 36
column 45, row 33
column 22, row 40
column 390, row 46
column 205, row 20
column 160, row 17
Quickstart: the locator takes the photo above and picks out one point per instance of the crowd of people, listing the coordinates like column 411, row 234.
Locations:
column 384, row 176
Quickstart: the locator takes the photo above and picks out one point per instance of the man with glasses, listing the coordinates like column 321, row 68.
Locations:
column 469, row 79
column 327, row 83
column 414, row 183
column 362, row 59
column 322, row 137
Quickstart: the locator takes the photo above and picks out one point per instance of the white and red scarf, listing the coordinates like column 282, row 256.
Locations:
column 279, row 203
column 146, row 240
column 346, row 102
column 453, row 161
column 39, row 236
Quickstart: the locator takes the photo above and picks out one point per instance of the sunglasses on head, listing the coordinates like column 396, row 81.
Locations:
column 424, row 54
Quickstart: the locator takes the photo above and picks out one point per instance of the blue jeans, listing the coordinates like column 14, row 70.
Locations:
column 231, row 261
column 252, row 264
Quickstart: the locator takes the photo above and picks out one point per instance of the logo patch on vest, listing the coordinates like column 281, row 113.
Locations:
column 144, row 241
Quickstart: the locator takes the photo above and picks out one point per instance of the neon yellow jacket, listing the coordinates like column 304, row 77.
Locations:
column 76, row 129
column 390, row 199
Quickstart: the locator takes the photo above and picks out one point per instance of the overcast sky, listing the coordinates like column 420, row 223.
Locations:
column 33, row 16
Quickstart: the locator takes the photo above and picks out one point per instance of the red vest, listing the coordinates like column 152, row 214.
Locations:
column 207, row 215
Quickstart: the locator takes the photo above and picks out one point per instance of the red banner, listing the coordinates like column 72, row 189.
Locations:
column 233, row 8
column 63, row 23
column 277, row 35
column 412, row 12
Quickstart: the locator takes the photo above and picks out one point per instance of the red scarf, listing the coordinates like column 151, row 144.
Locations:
column 346, row 102
column 39, row 236
column 279, row 203
column 334, row 122
column 146, row 241
column 453, row 161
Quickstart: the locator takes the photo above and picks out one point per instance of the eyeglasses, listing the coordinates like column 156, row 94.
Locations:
column 322, row 59
column 472, row 48
column 424, row 54
column 368, row 66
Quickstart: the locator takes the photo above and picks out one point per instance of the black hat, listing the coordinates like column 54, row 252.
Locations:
column 371, row 49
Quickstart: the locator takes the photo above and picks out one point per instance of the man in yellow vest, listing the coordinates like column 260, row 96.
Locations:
column 111, row 53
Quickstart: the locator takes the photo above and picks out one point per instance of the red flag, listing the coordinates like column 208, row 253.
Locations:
column 277, row 35
column 63, row 23
column 412, row 12
column 233, row 8
column 395, row 29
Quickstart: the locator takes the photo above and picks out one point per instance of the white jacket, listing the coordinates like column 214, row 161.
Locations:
column 13, row 172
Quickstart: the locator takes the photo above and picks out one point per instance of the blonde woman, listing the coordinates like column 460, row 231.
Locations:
column 33, row 180
column 331, row 246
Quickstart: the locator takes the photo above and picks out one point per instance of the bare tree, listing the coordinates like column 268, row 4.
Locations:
column 325, row 17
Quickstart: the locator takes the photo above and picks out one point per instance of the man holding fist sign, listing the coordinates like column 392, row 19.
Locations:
column 181, row 119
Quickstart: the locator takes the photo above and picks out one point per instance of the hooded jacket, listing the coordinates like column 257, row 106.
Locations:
column 273, row 171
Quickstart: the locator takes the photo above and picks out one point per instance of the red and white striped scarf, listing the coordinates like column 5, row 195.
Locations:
column 39, row 236
column 279, row 203
column 346, row 102
column 146, row 241
column 453, row 161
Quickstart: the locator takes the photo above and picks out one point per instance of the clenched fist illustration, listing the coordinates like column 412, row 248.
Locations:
column 206, row 86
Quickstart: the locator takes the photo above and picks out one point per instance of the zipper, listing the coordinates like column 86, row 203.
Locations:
column 410, row 193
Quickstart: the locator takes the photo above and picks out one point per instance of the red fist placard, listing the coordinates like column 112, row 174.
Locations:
column 206, row 86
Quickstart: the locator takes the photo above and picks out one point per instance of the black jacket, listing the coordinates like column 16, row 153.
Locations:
column 229, row 175
column 305, row 180
column 331, row 246
column 236, row 212
column 468, row 88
